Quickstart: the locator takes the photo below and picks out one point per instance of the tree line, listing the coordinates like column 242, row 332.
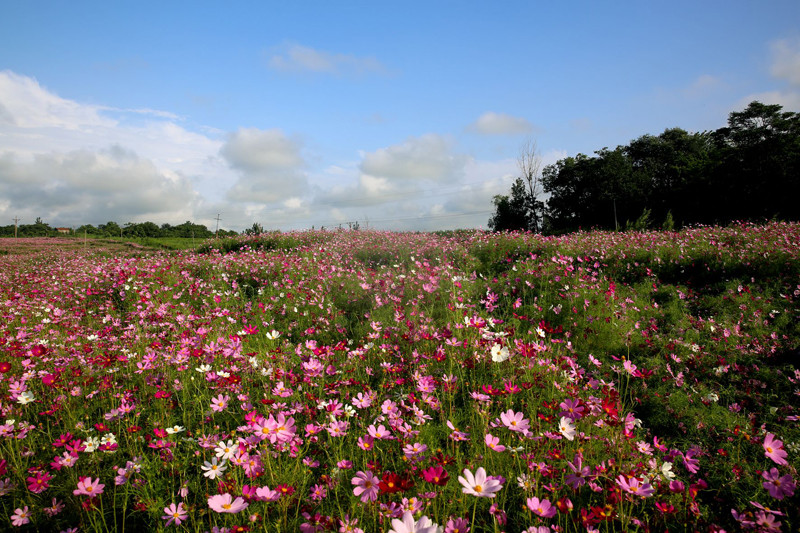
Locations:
column 747, row 170
column 112, row 229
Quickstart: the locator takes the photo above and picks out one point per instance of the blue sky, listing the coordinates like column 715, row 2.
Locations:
column 400, row 116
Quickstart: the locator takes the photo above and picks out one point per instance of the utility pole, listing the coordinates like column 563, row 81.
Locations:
column 216, row 231
column 16, row 219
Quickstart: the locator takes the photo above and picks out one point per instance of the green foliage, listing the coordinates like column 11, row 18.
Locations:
column 745, row 171
column 641, row 223
column 669, row 222
column 263, row 242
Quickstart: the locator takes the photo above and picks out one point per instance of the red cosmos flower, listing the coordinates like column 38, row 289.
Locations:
column 163, row 394
column 49, row 379
column 5, row 367
column 390, row 483
column 287, row 490
column 443, row 460
column 610, row 407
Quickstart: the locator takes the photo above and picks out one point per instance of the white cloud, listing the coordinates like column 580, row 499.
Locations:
column 298, row 58
column 428, row 157
column 31, row 106
column 789, row 100
column 71, row 163
column 786, row 60
column 785, row 66
column 491, row 123
column 702, row 85
column 91, row 187
column 269, row 164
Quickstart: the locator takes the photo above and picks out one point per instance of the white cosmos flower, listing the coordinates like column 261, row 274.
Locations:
column 499, row 353
column 226, row 450
column 666, row 471
column 567, row 428
column 25, row 397
column 213, row 469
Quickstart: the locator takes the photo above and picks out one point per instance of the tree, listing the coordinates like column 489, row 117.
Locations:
column 255, row 229
column 529, row 163
column 522, row 209
column 512, row 212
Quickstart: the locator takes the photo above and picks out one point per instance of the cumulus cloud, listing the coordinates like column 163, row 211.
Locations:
column 32, row 106
column 702, row 85
column 72, row 163
column 292, row 57
column 428, row 157
column 786, row 60
column 784, row 66
column 788, row 99
column 269, row 163
column 491, row 123
column 84, row 186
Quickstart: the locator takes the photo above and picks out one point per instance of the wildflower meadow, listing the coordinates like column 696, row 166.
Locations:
column 365, row 381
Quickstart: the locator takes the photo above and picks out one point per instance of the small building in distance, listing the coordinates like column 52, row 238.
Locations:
column 64, row 230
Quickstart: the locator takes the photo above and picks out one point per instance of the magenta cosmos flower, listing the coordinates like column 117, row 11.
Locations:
column 89, row 487
column 224, row 503
column 479, row 484
column 366, row 486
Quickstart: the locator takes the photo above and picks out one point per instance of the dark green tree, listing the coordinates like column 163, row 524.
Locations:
column 513, row 212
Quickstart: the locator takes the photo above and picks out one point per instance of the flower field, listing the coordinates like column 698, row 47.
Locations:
column 367, row 381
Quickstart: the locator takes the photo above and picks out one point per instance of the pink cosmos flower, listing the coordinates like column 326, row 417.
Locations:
column 778, row 486
column 21, row 517
column 225, row 503
column 366, row 486
column 220, row 403
column 379, row 432
column 457, row 525
column 572, row 409
column 773, row 448
column 515, row 421
column 408, row 525
column 54, row 509
column 479, row 484
column 366, row 442
column 634, row 486
column 413, row 450
column 493, row 443
column 542, row 508
column 691, row 464
column 174, row 514
column 267, row 494
column 88, row 487
column 281, row 429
